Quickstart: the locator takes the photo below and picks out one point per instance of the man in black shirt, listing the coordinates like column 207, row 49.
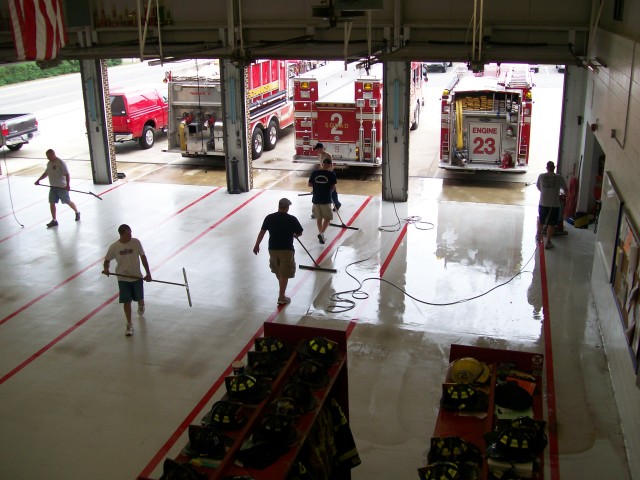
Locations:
column 282, row 227
column 323, row 182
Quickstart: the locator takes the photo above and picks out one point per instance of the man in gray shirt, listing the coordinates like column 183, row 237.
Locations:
column 549, row 184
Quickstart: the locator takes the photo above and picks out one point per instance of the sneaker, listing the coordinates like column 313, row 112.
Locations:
column 548, row 246
column 321, row 238
column 129, row 331
column 77, row 216
column 141, row 309
column 52, row 223
column 283, row 300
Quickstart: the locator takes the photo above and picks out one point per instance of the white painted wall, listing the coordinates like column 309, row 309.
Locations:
column 613, row 103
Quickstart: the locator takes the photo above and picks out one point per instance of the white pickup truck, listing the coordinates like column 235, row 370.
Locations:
column 17, row 129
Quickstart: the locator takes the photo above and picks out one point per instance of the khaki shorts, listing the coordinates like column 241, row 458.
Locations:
column 282, row 263
column 322, row 211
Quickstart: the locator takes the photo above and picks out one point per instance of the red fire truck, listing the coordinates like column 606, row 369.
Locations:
column 486, row 120
column 342, row 109
column 195, row 107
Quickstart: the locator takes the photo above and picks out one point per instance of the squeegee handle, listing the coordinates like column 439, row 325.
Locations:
column 141, row 278
column 169, row 283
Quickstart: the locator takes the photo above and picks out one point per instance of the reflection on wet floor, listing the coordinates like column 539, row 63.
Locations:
column 456, row 263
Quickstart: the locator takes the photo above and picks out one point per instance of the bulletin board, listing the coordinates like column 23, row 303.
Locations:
column 626, row 283
column 609, row 224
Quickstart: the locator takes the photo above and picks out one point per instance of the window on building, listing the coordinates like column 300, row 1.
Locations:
column 618, row 9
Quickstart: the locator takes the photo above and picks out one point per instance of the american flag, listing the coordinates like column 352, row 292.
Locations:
column 37, row 27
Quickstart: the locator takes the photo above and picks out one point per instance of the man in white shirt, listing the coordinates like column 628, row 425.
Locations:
column 128, row 253
column 60, row 183
column 549, row 184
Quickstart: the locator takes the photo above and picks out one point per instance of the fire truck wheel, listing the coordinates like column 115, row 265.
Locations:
column 146, row 140
column 271, row 136
column 416, row 118
column 257, row 143
column 15, row 148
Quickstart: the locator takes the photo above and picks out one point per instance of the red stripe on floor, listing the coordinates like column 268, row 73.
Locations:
column 184, row 425
column 10, row 374
column 552, row 420
column 48, row 292
column 34, row 203
column 83, row 320
column 393, row 251
column 330, row 246
column 64, row 282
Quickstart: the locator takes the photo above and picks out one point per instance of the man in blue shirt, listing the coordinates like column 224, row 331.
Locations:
column 323, row 182
column 282, row 227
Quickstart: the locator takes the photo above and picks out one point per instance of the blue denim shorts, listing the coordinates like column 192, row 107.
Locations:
column 131, row 291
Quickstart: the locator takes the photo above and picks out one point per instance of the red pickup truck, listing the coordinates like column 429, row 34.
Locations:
column 137, row 114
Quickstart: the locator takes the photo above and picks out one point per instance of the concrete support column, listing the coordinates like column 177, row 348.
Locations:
column 97, row 107
column 395, row 149
column 236, row 133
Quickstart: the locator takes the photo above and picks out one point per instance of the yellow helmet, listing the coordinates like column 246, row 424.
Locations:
column 468, row 370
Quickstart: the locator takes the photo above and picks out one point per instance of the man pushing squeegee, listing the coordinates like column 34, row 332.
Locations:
column 283, row 228
column 128, row 254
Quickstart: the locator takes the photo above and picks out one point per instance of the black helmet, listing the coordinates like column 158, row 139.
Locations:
column 462, row 396
column 225, row 416
column 276, row 428
column 246, row 387
column 509, row 474
column 458, row 396
column 272, row 345
column 312, row 373
column 321, row 349
column 448, row 471
column 517, row 440
column 301, row 394
column 440, row 471
column 285, row 406
column 205, row 442
column 453, row 449
column 512, row 396
column 172, row 470
column 263, row 364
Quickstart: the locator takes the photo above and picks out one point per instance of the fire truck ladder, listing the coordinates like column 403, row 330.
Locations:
column 517, row 78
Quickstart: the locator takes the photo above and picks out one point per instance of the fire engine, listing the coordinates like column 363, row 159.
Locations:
column 486, row 120
column 341, row 107
column 195, row 107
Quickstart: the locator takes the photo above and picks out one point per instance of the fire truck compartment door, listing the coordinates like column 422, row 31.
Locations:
column 337, row 124
column 341, row 151
column 484, row 141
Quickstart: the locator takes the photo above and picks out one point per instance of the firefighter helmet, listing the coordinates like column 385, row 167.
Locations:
column 276, row 428
column 225, row 416
column 245, row 387
column 321, row 349
column 172, row 470
column 263, row 364
column 453, row 449
column 462, row 396
column 468, row 370
column 512, row 444
column 205, row 442
column 272, row 345
column 312, row 373
column 512, row 396
column 440, row 471
column 458, row 395
column 301, row 394
column 285, row 406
